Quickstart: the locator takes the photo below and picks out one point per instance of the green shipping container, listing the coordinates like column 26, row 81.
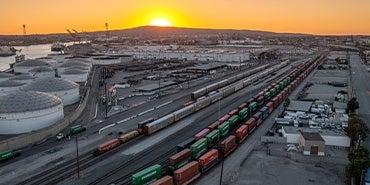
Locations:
column 273, row 91
column 252, row 107
column 288, row 79
column 77, row 129
column 6, row 155
column 198, row 148
column 233, row 120
column 224, row 128
column 212, row 137
column 147, row 175
column 267, row 95
column 244, row 113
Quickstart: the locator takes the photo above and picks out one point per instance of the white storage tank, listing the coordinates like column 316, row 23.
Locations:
column 42, row 72
column 66, row 65
column 75, row 75
column 52, row 62
column 10, row 86
column 23, row 78
column 26, row 111
column 29, row 64
column 105, row 60
column 5, row 76
column 67, row 90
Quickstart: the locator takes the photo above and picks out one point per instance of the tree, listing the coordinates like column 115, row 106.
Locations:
column 352, row 105
column 357, row 130
column 358, row 163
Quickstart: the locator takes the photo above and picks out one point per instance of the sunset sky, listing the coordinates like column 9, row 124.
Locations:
column 294, row 16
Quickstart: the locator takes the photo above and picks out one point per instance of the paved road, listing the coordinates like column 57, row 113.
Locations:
column 361, row 89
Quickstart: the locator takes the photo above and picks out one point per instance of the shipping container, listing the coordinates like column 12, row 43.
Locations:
column 260, row 101
column 265, row 112
column 214, row 125
column 180, row 159
column 187, row 173
column 252, row 107
column 258, row 117
column 129, row 136
column 233, row 112
column 252, row 123
column 147, row 175
column 242, row 106
column 166, row 180
column 198, row 148
column 241, row 133
column 212, row 138
column 107, row 146
column 208, row 160
column 270, row 106
column 224, row 118
column 244, row 113
column 201, row 134
column 77, row 129
column 228, row 145
column 186, row 144
column 233, row 121
column 267, row 95
column 273, row 91
column 224, row 129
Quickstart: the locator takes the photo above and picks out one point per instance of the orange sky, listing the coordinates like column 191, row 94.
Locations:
column 298, row 16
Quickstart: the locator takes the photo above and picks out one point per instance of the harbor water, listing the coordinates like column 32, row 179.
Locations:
column 30, row 52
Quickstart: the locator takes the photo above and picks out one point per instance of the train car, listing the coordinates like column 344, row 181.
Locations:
column 201, row 134
column 258, row 117
column 9, row 154
column 212, row 138
column 198, row 148
column 142, row 124
column 233, row 121
column 107, row 146
column 224, row 129
column 200, row 104
column 224, row 118
column 166, row 180
column 198, row 93
column 243, row 113
column 185, row 144
column 212, row 87
column 181, row 113
column 270, row 106
column 215, row 97
column 208, row 160
column 158, row 124
column 222, row 83
column 265, row 112
column 186, row 174
column 233, row 112
column 241, row 133
column 252, row 123
column 228, row 145
column 147, row 175
column 252, row 107
column 238, row 86
column 180, row 159
column 226, row 91
column 260, row 101
column 129, row 136
column 267, row 96
column 242, row 106
column 214, row 125
column 247, row 82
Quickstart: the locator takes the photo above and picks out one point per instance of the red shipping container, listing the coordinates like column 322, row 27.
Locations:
column 228, row 145
column 251, row 123
column 214, row 125
column 241, row 133
column 187, row 173
column 233, row 112
column 270, row 106
column 180, row 156
column 208, row 157
column 166, row 180
column 242, row 106
column 275, row 101
column 250, row 101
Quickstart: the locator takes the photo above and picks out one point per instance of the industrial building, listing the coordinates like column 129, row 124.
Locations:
column 299, row 106
column 29, row 64
column 26, row 111
column 10, row 86
column 312, row 143
column 67, row 90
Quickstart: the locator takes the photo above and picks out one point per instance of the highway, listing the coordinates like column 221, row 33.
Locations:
column 361, row 89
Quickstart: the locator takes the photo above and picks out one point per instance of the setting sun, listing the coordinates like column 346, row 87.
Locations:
column 160, row 22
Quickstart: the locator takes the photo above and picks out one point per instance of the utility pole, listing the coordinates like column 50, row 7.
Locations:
column 78, row 161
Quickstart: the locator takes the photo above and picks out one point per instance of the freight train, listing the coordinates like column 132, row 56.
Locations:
column 9, row 154
column 198, row 154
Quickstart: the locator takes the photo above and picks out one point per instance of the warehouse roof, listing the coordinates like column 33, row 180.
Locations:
column 23, row 101
column 299, row 106
column 312, row 136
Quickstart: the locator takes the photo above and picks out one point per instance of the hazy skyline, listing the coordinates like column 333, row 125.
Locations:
column 299, row 16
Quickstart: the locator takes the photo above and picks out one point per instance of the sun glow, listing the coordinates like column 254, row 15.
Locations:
column 160, row 22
